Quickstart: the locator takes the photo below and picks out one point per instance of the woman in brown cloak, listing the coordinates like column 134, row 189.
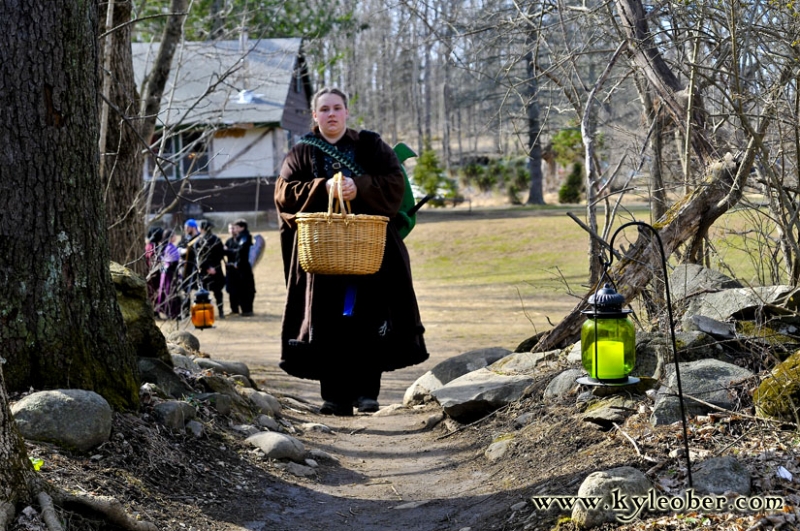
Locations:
column 342, row 330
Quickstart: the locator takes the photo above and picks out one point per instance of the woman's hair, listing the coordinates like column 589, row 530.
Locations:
column 328, row 90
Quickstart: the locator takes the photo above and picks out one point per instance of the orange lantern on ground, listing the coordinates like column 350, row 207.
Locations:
column 202, row 310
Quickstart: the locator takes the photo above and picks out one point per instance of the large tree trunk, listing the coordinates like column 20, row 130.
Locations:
column 121, row 160
column 60, row 325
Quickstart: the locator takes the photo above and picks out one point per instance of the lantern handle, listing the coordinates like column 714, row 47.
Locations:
column 606, row 266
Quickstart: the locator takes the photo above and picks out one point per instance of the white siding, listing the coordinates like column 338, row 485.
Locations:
column 249, row 155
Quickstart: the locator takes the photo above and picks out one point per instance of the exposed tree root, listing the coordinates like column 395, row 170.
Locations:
column 108, row 507
column 111, row 509
column 6, row 514
column 49, row 514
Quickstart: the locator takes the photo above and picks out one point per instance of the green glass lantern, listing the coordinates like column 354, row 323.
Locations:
column 608, row 340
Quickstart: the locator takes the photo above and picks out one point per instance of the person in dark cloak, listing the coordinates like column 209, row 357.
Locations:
column 240, row 273
column 343, row 330
column 210, row 254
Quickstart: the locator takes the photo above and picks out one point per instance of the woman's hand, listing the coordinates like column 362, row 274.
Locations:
column 349, row 190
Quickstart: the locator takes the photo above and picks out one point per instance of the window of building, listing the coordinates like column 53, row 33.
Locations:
column 181, row 155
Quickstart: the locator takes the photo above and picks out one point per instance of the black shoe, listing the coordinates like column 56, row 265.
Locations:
column 332, row 408
column 367, row 405
column 247, row 314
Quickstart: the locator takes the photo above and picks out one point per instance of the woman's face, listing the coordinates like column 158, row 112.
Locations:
column 331, row 116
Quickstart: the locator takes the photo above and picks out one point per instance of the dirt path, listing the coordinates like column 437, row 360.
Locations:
column 392, row 472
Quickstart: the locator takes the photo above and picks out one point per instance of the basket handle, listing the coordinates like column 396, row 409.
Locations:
column 337, row 184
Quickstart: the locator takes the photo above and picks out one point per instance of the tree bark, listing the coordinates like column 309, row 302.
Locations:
column 535, row 194
column 60, row 325
column 16, row 472
column 660, row 78
column 122, row 161
column 156, row 82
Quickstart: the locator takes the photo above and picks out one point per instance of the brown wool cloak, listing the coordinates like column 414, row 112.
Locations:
column 385, row 331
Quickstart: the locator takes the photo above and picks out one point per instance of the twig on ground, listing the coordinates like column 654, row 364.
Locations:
column 635, row 446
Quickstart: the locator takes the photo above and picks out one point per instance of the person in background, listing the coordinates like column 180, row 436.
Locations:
column 342, row 330
column 168, row 300
column 230, row 272
column 188, row 267
column 240, row 273
column 152, row 261
column 210, row 254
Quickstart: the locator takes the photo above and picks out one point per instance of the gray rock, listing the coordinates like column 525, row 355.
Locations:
column 299, row 470
column 320, row 455
column 184, row 339
column 611, row 486
column 564, row 384
column 265, row 421
column 574, row 353
column 480, row 392
column 195, row 428
column 184, row 362
column 523, row 362
column 610, row 410
column 70, row 418
column 174, row 414
column 246, row 429
column 719, row 475
column 222, row 403
column 654, row 351
column 316, row 426
column 712, row 327
column 499, row 450
column 223, row 367
column 450, row 369
column 264, row 402
column 744, row 303
column 177, row 350
column 712, row 381
column 278, row 446
column 159, row 373
column 689, row 280
column 241, row 380
column 219, row 384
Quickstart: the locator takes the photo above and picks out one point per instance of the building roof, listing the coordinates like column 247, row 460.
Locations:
column 240, row 82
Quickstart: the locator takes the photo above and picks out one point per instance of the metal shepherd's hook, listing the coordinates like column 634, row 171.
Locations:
column 606, row 266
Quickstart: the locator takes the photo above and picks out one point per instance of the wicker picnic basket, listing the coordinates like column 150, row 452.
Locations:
column 340, row 243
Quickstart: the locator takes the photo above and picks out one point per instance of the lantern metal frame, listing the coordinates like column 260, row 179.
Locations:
column 593, row 382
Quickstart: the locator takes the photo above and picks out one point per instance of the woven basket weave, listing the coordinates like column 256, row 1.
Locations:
column 334, row 243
